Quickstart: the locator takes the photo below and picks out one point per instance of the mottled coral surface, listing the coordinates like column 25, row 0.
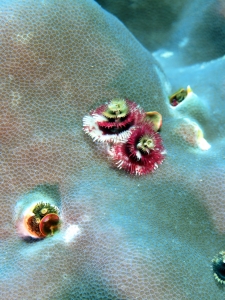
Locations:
column 122, row 236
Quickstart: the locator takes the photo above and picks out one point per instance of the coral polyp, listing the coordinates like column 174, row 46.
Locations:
column 112, row 122
column 218, row 264
column 142, row 153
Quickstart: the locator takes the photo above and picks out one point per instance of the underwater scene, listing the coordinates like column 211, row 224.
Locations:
column 112, row 138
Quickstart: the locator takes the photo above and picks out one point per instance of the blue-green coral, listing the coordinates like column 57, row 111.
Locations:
column 121, row 237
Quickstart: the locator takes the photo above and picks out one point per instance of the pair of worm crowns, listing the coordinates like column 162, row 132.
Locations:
column 41, row 220
column 130, row 135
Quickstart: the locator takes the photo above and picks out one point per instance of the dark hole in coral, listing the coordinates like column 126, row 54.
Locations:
column 30, row 240
column 219, row 269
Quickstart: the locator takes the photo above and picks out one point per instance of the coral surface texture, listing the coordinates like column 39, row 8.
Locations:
column 118, row 236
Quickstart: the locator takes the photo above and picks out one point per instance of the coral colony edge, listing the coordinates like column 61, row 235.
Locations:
column 112, row 150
